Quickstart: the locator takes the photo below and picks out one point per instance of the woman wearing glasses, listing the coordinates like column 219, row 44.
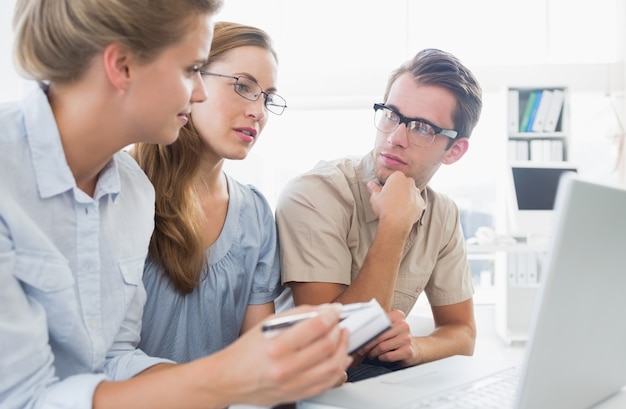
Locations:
column 213, row 270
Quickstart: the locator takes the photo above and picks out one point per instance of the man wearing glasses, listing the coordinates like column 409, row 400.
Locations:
column 355, row 229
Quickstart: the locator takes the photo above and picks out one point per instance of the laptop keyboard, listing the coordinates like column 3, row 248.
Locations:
column 496, row 391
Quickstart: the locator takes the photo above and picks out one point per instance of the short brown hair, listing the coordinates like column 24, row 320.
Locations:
column 440, row 68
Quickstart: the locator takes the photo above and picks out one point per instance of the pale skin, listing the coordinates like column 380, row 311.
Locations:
column 229, row 126
column 403, row 170
column 119, row 101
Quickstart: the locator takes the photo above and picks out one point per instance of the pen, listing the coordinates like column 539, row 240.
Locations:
column 277, row 324
column 348, row 309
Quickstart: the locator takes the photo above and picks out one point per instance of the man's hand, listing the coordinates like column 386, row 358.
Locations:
column 395, row 344
column 398, row 202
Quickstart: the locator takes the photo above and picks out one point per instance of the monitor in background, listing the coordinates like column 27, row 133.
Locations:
column 533, row 188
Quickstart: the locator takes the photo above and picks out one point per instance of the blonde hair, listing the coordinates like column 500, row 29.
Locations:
column 56, row 40
column 177, row 242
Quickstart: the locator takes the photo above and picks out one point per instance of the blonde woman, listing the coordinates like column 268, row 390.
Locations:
column 76, row 217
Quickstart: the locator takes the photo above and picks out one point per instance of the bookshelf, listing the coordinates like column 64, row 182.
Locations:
column 538, row 135
column 538, row 124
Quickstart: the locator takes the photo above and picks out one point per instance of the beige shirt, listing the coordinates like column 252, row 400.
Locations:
column 326, row 226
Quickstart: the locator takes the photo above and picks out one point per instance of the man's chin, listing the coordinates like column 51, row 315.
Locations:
column 382, row 174
column 381, row 179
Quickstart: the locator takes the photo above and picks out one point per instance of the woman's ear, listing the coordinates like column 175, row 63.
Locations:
column 117, row 61
column 456, row 151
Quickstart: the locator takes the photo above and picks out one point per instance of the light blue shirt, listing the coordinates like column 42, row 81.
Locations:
column 71, row 295
column 243, row 269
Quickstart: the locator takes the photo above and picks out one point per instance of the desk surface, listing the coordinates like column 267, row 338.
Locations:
column 617, row 401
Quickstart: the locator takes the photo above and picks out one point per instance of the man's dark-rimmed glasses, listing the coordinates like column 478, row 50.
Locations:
column 419, row 131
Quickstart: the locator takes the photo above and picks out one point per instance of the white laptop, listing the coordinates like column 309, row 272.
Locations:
column 576, row 354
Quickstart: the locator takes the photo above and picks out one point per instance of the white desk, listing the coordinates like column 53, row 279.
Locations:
column 617, row 401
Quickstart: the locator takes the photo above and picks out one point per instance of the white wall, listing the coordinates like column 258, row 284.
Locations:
column 335, row 57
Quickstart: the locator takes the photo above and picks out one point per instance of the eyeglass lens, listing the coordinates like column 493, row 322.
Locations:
column 419, row 133
column 252, row 91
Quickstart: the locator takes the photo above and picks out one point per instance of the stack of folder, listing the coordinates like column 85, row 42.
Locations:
column 541, row 113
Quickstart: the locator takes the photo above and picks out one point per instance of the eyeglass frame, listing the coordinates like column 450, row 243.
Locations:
column 450, row 133
column 265, row 94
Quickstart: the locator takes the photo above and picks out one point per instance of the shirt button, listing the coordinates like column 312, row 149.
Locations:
column 92, row 324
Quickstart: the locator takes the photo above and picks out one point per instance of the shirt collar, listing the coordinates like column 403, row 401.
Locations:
column 109, row 179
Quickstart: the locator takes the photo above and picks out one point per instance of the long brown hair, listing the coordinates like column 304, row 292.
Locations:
column 177, row 243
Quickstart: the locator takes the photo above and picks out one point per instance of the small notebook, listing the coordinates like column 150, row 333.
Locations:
column 364, row 322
